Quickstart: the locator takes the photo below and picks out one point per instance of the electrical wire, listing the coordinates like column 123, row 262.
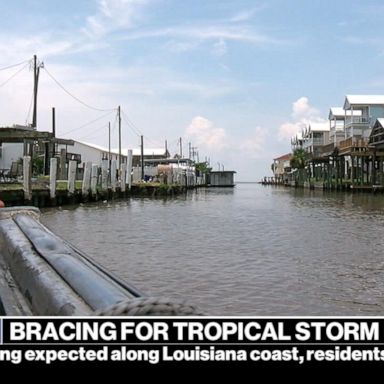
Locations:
column 73, row 96
column 90, row 122
column 95, row 130
column 130, row 124
column 136, row 130
column 15, row 65
column 14, row 75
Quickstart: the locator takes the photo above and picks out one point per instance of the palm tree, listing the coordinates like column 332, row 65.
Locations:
column 298, row 162
column 298, row 159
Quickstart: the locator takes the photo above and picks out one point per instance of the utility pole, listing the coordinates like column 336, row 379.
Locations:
column 194, row 152
column 166, row 147
column 142, row 157
column 54, row 122
column 181, row 147
column 36, row 73
column 53, row 131
column 119, row 117
column 109, row 147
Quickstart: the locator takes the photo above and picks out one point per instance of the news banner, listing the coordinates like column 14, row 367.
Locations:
column 162, row 340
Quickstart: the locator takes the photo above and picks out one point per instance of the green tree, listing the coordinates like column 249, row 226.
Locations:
column 298, row 162
column 202, row 168
column 298, row 159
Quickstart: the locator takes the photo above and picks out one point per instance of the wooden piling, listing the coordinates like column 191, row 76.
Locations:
column 72, row 166
column 27, row 176
column 113, row 175
column 128, row 179
column 94, row 177
column 104, row 175
column 86, row 179
column 63, row 161
column 123, row 171
column 52, row 177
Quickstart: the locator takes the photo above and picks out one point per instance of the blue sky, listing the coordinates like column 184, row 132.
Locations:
column 235, row 78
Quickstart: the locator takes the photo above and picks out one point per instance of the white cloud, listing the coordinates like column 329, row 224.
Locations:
column 220, row 48
column 254, row 145
column 180, row 46
column 302, row 114
column 288, row 130
column 204, row 33
column 246, row 15
column 24, row 48
column 302, row 110
column 112, row 15
column 206, row 135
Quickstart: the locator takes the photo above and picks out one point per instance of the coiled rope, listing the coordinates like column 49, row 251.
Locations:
column 150, row 306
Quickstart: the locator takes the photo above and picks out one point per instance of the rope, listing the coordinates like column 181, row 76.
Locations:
column 150, row 306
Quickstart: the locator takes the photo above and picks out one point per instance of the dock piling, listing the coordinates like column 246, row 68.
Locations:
column 94, row 177
column 86, row 179
column 123, row 171
column 27, row 175
column 52, row 177
column 113, row 175
column 72, row 166
column 104, row 175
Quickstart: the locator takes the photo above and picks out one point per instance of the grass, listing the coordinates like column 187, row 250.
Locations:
column 63, row 185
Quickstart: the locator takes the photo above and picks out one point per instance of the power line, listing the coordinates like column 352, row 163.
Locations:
column 12, row 76
column 130, row 124
column 73, row 96
column 136, row 130
column 14, row 65
column 95, row 130
column 90, row 122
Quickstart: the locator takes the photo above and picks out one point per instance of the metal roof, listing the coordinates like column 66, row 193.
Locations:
column 363, row 100
column 380, row 120
column 340, row 112
column 319, row 127
column 284, row 157
column 149, row 152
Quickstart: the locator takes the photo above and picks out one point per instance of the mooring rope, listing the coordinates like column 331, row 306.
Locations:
column 150, row 306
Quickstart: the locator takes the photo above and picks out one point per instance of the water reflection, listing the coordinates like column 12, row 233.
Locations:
column 251, row 250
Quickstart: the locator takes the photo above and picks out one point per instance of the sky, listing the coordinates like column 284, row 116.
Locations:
column 236, row 79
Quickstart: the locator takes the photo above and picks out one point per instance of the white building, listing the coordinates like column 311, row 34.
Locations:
column 314, row 137
column 90, row 153
column 337, row 117
column 371, row 107
column 10, row 153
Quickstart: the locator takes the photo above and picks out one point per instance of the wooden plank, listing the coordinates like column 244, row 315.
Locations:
column 11, row 135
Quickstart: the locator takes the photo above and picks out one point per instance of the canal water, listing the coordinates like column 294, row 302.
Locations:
column 252, row 250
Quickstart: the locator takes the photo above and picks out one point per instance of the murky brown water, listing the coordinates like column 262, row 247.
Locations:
column 251, row 250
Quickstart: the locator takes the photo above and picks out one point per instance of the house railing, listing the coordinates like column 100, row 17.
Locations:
column 359, row 120
column 353, row 142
